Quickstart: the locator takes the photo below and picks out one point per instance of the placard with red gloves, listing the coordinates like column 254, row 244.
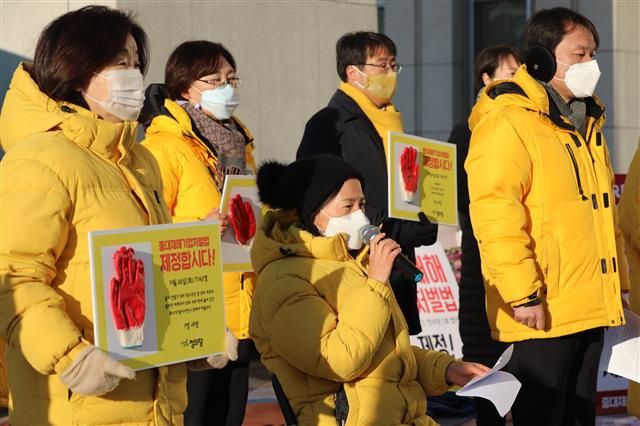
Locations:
column 422, row 177
column 157, row 293
column 241, row 203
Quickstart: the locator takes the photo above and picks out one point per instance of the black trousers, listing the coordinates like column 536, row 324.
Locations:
column 559, row 379
column 219, row 397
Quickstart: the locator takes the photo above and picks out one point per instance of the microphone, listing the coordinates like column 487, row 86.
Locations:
column 404, row 265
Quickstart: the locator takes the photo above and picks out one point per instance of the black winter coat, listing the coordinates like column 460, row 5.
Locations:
column 477, row 345
column 343, row 129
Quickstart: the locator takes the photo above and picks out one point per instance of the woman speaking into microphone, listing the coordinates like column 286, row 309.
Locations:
column 324, row 318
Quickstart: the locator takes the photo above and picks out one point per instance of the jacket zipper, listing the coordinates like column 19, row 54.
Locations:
column 576, row 170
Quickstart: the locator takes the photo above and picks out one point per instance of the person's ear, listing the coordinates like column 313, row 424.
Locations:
column 486, row 79
column 352, row 73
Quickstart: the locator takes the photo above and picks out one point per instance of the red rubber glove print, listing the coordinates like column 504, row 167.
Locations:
column 410, row 172
column 242, row 220
column 127, row 297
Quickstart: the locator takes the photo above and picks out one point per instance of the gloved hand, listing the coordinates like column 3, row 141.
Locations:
column 218, row 361
column 127, row 297
column 94, row 373
column 410, row 172
column 242, row 219
column 411, row 234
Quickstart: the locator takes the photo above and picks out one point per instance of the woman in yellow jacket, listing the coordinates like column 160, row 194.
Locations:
column 324, row 317
column 72, row 166
column 197, row 142
column 629, row 213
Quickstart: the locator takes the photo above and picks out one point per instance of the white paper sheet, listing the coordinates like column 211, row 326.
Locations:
column 621, row 352
column 499, row 387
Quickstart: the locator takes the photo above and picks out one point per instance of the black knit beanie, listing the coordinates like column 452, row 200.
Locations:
column 303, row 185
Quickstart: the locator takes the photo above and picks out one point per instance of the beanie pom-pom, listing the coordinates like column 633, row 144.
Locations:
column 269, row 181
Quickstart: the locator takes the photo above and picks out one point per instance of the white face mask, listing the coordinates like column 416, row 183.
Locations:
column 126, row 93
column 221, row 101
column 581, row 78
column 350, row 225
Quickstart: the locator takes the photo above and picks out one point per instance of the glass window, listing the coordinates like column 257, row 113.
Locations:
column 499, row 22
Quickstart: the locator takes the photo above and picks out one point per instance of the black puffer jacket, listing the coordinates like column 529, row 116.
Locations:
column 474, row 326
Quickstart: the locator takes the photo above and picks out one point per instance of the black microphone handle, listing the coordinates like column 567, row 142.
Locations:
column 407, row 267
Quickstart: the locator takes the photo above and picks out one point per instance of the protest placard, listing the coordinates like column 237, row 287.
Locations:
column 157, row 293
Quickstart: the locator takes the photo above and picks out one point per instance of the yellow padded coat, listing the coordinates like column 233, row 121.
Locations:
column 186, row 164
column 66, row 173
column 543, row 213
column 629, row 210
column 319, row 321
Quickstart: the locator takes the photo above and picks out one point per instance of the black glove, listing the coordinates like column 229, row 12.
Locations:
column 411, row 234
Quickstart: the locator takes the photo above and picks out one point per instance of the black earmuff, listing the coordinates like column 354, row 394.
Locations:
column 541, row 64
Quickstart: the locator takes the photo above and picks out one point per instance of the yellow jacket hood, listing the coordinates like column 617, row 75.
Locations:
column 523, row 91
column 280, row 235
column 27, row 111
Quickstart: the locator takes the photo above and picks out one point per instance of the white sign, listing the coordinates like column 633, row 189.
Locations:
column 499, row 387
column 437, row 302
column 619, row 359
column 621, row 353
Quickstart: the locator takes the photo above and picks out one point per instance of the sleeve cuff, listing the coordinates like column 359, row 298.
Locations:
column 381, row 288
column 64, row 362
column 528, row 298
column 440, row 373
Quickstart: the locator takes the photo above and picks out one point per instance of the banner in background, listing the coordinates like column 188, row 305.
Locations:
column 618, row 186
column 437, row 302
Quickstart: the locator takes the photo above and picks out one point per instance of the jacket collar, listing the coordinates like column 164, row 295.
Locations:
column 281, row 235
column 349, row 108
column 526, row 92
column 27, row 111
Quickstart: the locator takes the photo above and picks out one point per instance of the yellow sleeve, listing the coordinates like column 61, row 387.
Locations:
column 432, row 370
column 312, row 337
column 499, row 170
column 35, row 209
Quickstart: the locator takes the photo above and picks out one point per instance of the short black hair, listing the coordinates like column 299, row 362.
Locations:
column 354, row 49
column 79, row 43
column 190, row 61
column 548, row 26
column 488, row 60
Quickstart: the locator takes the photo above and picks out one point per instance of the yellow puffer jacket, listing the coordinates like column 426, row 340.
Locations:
column 187, row 164
column 66, row 173
column 629, row 210
column 543, row 212
column 318, row 321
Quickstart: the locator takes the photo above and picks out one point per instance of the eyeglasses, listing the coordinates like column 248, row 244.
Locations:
column 388, row 67
column 217, row 82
